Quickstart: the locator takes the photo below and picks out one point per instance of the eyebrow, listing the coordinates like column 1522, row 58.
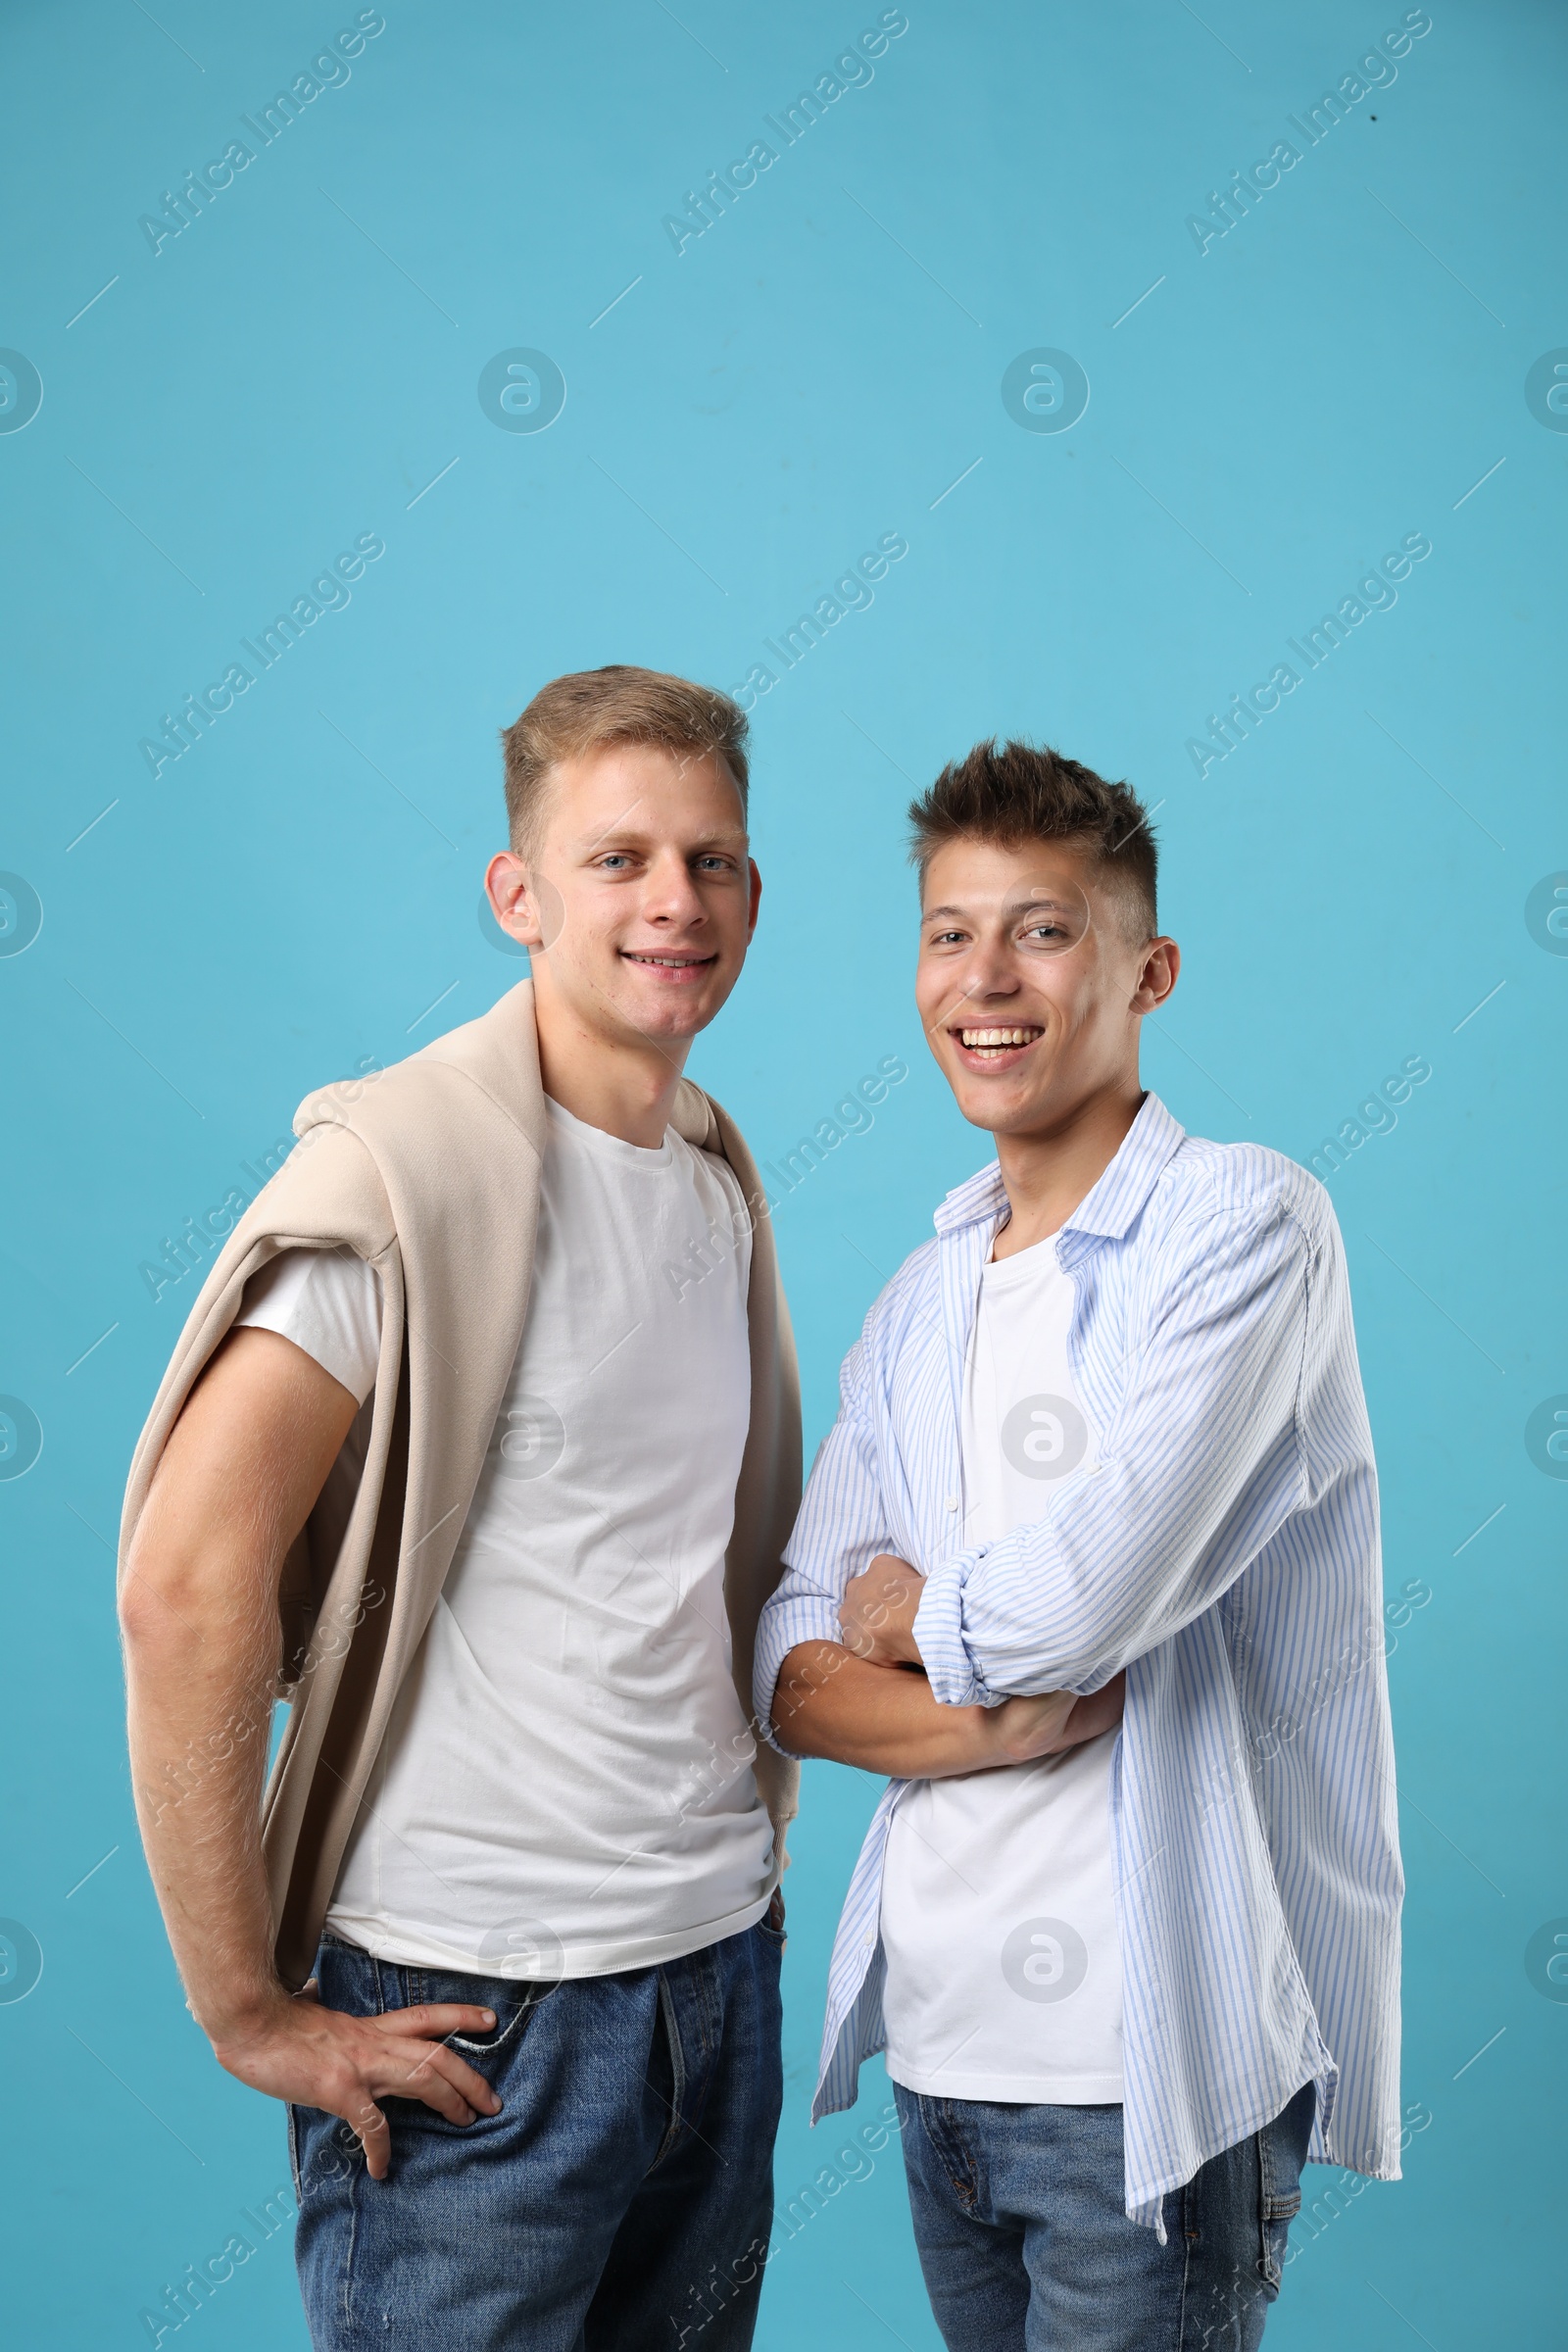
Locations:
column 1017, row 906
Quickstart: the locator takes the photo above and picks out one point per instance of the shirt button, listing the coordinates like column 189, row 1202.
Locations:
column 951, row 1503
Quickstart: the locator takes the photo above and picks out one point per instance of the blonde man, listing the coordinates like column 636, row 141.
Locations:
column 459, row 1453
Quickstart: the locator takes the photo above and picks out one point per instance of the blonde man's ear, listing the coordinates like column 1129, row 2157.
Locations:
column 509, row 886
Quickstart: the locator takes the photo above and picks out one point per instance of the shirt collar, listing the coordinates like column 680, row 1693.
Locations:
column 1109, row 1210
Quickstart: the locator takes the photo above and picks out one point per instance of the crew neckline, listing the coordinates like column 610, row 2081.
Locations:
column 650, row 1157
column 1002, row 1272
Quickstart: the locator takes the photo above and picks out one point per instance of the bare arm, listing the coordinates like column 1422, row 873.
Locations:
column 883, row 1718
column 243, row 1466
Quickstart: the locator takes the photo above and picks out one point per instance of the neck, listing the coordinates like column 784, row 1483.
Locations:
column 626, row 1086
column 1048, row 1171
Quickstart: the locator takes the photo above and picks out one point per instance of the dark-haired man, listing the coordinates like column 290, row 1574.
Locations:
column 1105, row 1431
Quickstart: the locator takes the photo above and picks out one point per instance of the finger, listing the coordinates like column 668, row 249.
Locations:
column 1093, row 1715
column 374, row 2136
column 1106, row 1707
column 433, row 2091
column 402, row 2071
column 439, row 2059
column 1043, row 1730
column 420, row 2078
column 1021, row 1728
column 899, row 1577
column 434, row 2021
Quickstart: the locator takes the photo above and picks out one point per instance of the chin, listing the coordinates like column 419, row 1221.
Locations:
column 988, row 1107
column 655, row 1015
column 988, row 1118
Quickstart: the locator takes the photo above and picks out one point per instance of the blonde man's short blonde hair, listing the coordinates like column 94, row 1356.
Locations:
column 591, row 709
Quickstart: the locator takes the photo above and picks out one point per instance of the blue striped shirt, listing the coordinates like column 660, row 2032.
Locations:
column 1225, row 1552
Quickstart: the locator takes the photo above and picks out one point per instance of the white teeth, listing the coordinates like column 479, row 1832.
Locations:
column 997, row 1037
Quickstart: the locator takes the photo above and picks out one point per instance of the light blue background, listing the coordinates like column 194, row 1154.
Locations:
column 296, row 892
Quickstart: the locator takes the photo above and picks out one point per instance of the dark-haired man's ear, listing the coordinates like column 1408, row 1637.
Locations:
column 1161, row 962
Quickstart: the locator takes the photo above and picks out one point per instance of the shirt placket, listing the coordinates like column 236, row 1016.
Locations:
column 961, row 1256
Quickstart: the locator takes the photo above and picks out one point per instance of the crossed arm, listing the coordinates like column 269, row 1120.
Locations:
column 863, row 1701
column 241, row 1472
column 1205, row 1465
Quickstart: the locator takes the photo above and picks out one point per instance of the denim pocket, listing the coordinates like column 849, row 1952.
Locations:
column 354, row 1982
column 513, row 1999
column 772, row 1926
column 1274, row 2217
column 1281, row 2152
column 508, row 2030
column 323, row 2154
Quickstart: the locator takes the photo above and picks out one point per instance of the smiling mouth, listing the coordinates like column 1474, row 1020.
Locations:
column 669, row 963
column 997, row 1045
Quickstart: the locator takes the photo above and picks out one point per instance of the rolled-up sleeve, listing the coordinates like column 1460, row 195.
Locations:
column 840, row 1530
column 1199, row 1468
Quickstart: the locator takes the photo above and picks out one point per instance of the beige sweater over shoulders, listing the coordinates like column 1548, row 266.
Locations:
column 430, row 1171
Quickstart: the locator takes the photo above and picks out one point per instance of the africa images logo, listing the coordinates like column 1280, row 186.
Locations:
column 1546, row 1959
column 1045, row 1437
column 1045, row 1960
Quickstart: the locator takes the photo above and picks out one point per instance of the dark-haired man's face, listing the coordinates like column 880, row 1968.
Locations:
column 1033, row 980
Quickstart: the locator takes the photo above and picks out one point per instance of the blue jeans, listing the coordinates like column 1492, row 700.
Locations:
column 1025, row 2243
column 620, row 2200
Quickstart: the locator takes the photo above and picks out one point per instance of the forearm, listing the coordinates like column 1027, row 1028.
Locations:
column 198, row 1611
column 882, row 1718
column 198, row 1606
column 1203, row 1463
column 200, row 1712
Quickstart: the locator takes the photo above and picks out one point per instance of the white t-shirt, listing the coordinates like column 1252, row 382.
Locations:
column 999, row 1908
column 566, row 1786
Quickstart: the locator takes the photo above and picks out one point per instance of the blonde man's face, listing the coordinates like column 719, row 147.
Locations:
column 638, row 897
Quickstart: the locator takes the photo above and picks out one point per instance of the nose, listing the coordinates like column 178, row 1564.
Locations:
column 671, row 898
column 988, row 974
